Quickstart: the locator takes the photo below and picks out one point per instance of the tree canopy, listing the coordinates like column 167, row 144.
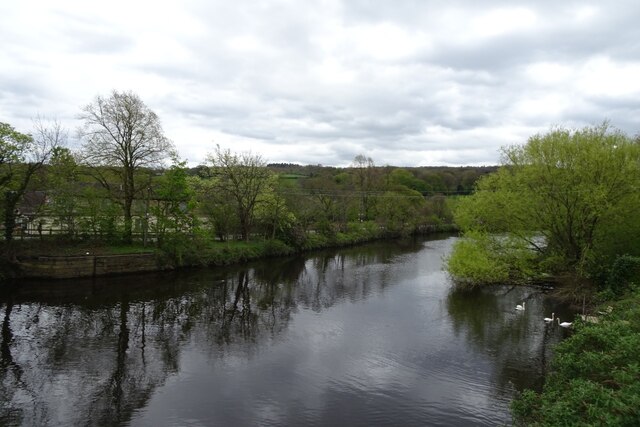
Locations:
column 562, row 195
column 122, row 133
column 242, row 178
column 21, row 156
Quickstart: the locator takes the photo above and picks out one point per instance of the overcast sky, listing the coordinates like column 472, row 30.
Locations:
column 405, row 82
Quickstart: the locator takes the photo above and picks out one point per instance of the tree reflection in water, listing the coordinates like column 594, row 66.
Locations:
column 97, row 352
column 519, row 342
column 94, row 351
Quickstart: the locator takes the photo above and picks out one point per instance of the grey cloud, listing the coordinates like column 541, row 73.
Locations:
column 254, row 70
column 89, row 35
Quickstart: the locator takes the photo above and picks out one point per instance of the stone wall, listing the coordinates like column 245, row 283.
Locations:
column 57, row 267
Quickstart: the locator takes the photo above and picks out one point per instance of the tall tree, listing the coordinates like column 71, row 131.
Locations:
column 241, row 178
column 365, row 177
column 63, row 173
column 21, row 156
column 173, row 203
column 562, row 194
column 123, row 137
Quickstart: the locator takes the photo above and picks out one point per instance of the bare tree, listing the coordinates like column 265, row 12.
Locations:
column 241, row 178
column 122, row 137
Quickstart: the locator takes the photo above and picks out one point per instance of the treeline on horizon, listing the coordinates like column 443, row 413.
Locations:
column 428, row 180
column 117, row 187
column 67, row 199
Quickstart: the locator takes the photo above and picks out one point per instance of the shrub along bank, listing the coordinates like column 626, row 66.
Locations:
column 33, row 259
column 184, row 251
column 595, row 379
column 563, row 208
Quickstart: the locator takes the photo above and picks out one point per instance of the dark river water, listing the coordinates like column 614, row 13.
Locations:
column 368, row 336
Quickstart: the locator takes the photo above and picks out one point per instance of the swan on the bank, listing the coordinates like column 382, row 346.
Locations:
column 564, row 324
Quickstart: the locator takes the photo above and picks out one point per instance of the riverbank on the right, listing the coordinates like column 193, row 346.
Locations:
column 595, row 373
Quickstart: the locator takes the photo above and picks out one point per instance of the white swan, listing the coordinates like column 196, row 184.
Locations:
column 550, row 319
column 520, row 307
column 564, row 324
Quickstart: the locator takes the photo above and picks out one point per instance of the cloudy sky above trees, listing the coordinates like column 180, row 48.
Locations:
column 405, row 82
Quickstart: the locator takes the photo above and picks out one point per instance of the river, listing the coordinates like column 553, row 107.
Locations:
column 368, row 336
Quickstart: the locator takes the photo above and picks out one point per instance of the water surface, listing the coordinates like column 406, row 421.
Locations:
column 374, row 335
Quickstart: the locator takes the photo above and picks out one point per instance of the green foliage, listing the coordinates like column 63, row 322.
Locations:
column 123, row 136
column 98, row 216
column 574, row 180
column 21, row 156
column 63, row 179
column 399, row 210
column 218, row 212
column 562, row 194
column 13, row 146
column 179, row 250
column 242, row 179
column 624, row 274
column 595, row 376
column 360, row 232
column 273, row 215
column 277, row 247
column 473, row 262
column 482, row 258
column 404, row 177
column 173, row 203
column 438, row 209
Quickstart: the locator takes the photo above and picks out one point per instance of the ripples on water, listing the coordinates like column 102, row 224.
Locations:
column 373, row 335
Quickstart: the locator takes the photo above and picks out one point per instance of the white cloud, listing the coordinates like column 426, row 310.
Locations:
column 601, row 76
column 502, row 21
column 407, row 82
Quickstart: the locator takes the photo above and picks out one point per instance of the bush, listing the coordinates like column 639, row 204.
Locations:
column 472, row 262
column 277, row 248
column 595, row 377
column 624, row 274
column 481, row 258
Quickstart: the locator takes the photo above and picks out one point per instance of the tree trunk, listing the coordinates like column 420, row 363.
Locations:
column 128, row 203
column 245, row 226
column 10, row 202
column 127, row 220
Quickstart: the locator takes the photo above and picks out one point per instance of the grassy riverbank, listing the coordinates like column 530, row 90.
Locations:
column 181, row 250
column 595, row 375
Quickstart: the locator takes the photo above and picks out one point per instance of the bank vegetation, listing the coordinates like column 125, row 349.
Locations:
column 126, row 188
column 563, row 209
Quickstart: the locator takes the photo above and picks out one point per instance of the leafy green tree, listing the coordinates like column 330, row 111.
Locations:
column 274, row 215
column 399, row 209
column 63, row 183
column 561, row 193
column 242, row 179
column 97, row 214
column 433, row 181
column 220, row 214
column 173, row 203
column 366, row 182
column 123, row 138
column 327, row 200
column 404, row 177
column 21, row 156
